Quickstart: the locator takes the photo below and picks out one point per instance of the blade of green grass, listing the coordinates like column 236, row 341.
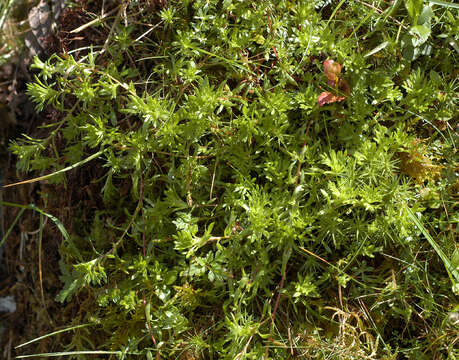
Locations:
column 68, row 168
column 449, row 267
column 11, row 227
column 335, row 11
column 56, row 221
column 52, row 334
column 73, row 353
column 445, row 4
column 378, row 48
column 228, row 61
column 431, row 124
column 4, row 11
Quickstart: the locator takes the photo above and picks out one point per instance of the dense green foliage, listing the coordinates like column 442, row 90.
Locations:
column 240, row 220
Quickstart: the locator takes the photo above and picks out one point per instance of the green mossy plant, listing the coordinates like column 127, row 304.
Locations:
column 240, row 219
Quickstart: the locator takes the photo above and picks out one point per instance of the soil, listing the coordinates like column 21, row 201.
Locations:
column 37, row 313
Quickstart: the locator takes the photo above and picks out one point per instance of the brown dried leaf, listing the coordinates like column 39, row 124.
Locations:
column 418, row 167
column 328, row 98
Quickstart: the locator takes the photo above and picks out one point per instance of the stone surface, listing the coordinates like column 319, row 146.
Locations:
column 7, row 304
column 42, row 18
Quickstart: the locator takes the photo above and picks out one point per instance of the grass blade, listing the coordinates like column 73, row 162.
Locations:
column 335, row 10
column 4, row 9
column 11, row 227
column 449, row 267
column 68, row 168
column 52, row 334
column 56, row 221
column 378, row 48
column 73, row 353
column 445, row 4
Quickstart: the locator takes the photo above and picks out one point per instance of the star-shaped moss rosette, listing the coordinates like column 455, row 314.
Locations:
column 332, row 70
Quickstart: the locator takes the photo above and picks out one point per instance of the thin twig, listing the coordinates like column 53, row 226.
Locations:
column 276, row 305
column 143, row 215
column 381, row 11
column 112, row 29
column 290, row 341
column 40, row 272
column 213, row 180
column 153, row 27
column 298, row 170
column 244, row 350
column 118, row 243
column 92, row 22
column 316, row 256
column 188, row 195
column 40, row 266
column 185, row 156
column 158, row 354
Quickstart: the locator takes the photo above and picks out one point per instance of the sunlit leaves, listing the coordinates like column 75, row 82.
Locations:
column 223, row 160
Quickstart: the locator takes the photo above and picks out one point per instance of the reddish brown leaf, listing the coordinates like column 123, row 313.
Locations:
column 328, row 98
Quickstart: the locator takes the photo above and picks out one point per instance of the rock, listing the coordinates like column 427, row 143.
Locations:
column 7, row 304
column 41, row 20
